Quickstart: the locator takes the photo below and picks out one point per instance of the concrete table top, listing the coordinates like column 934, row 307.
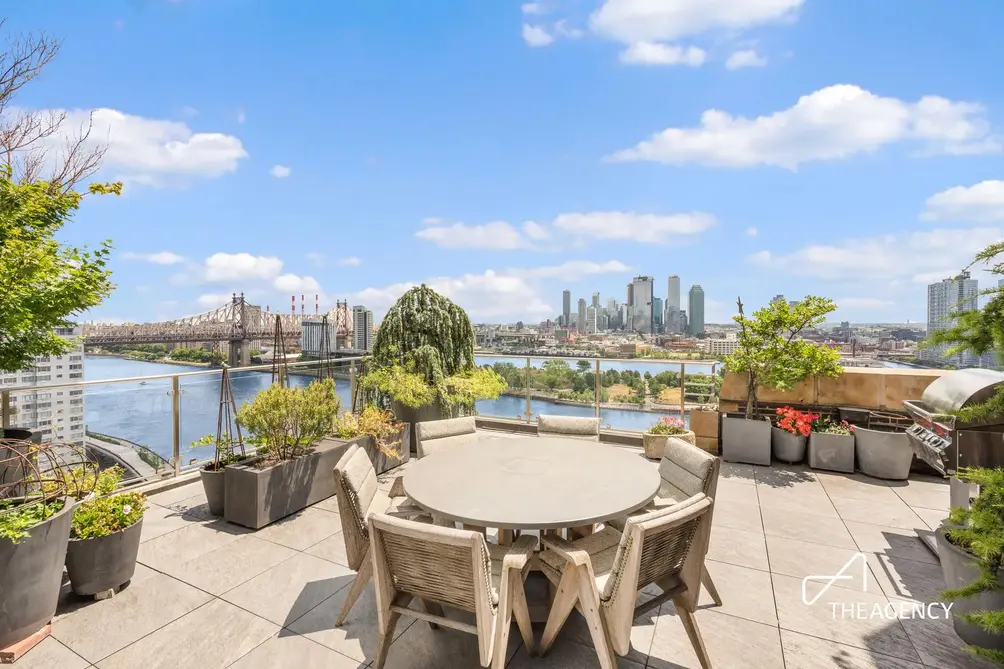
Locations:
column 532, row 483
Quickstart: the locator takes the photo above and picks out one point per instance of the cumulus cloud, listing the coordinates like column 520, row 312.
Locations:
column 829, row 124
column 213, row 300
column 536, row 35
column 535, row 230
column 158, row 258
column 631, row 21
column 628, row 226
column 280, row 171
column 238, row 266
column 351, row 261
column 981, row 203
column 532, row 8
column 497, row 235
column 745, row 58
column 752, row 232
column 653, row 53
column 293, row 283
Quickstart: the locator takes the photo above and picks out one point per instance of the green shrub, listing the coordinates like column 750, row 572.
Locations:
column 286, row 421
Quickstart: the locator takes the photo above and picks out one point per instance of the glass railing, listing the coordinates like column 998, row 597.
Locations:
column 144, row 416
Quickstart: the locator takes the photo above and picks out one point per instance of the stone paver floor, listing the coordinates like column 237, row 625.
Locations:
column 209, row 594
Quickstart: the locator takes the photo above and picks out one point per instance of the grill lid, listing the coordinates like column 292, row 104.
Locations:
column 960, row 389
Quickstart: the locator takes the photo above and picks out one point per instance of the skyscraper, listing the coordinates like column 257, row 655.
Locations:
column 630, row 295
column 778, row 298
column 362, row 328
column 596, row 301
column 695, row 309
column 657, row 314
column 566, row 307
column 592, row 320
column 943, row 298
column 641, row 307
column 581, row 322
column 671, row 317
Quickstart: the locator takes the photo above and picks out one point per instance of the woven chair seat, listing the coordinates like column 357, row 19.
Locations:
column 602, row 549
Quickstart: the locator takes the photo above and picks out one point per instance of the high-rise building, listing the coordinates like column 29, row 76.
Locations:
column 671, row 315
column 641, row 306
column 566, row 306
column 312, row 336
column 630, row 295
column 362, row 328
column 695, row 309
column 624, row 317
column 581, row 322
column 57, row 414
column 944, row 298
column 778, row 298
column 592, row 320
column 657, row 315
column 596, row 301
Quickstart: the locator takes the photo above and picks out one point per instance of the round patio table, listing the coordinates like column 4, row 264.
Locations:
column 532, row 483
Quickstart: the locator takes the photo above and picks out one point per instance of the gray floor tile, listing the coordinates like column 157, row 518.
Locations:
column 102, row 628
column 785, row 476
column 856, row 486
column 174, row 495
column 932, row 517
column 642, row 632
column 330, row 505
column 895, row 542
column 566, row 654
column 925, row 492
column 332, row 549
column 907, row 579
column 746, row 593
column 174, row 549
column 303, row 529
column 731, row 642
column 807, row 652
column 739, row 547
column 50, row 654
column 216, row 635
column 292, row 651
column 939, row 645
column 806, row 527
column 421, row 647
column 737, row 493
column 889, row 513
column 228, row 566
column 812, row 501
column 737, row 516
column 290, row 589
column 799, row 559
column 736, row 472
column 160, row 520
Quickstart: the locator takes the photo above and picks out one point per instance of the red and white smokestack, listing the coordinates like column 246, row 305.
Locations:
column 293, row 297
column 303, row 303
column 266, row 309
column 317, row 304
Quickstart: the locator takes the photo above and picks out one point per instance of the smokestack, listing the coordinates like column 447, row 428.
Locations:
column 303, row 303
column 317, row 304
column 293, row 297
column 266, row 309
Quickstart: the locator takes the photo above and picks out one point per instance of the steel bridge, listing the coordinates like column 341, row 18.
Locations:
column 241, row 325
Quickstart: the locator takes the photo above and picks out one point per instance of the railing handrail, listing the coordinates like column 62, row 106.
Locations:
column 660, row 361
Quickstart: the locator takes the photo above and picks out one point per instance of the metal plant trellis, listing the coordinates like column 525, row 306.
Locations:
column 227, row 425
column 325, row 367
column 33, row 473
column 279, row 372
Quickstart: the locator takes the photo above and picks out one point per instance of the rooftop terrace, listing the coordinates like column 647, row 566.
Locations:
column 210, row 594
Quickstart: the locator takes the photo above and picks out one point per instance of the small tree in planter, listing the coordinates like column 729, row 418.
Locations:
column 770, row 354
column 104, row 537
column 658, row 435
column 423, row 361
column 378, row 433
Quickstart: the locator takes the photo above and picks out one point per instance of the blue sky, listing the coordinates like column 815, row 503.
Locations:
column 502, row 151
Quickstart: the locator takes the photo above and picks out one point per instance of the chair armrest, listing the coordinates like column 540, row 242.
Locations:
column 566, row 550
column 518, row 555
column 397, row 487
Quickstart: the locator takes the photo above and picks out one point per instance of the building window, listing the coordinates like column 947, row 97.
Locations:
column 75, row 358
column 76, row 392
column 72, row 367
column 77, row 375
column 45, row 377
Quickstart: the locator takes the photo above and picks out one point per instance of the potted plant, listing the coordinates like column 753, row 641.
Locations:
column 423, row 361
column 657, row 436
column 789, row 434
column 104, row 537
column 831, row 445
column 227, row 450
column 971, row 549
column 292, row 469
column 771, row 354
column 384, row 439
column 883, row 448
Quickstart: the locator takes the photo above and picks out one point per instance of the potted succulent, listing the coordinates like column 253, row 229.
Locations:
column 104, row 537
column 423, row 361
column 657, row 436
column 789, row 434
column 831, row 445
column 384, row 439
column 292, row 468
column 771, row 354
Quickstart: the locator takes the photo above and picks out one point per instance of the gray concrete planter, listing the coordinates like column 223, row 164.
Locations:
column 413, row 417
column 103, row 563
column 883, row 454
column 746, row 440
column 787, row 447
column 255, row 497
column 959, row 568
column 383, row 462
column 31, row 573
column 215, row 489
column 655, row 444
column 834, row 452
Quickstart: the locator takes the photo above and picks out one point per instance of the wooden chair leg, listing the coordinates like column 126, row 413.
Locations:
column 561, row 607
column 503, row 624
column 434, row 609
column 386, row 638
column 690, row 624
column 363, row 577
column 521, row 611
column 709, row 585
column 590, row 606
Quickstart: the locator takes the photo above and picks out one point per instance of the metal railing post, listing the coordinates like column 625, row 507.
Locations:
column 598, row 399
column 529, row 411
column 352, row 385
column 176, row 424
column 683, row 392
column 4, row 409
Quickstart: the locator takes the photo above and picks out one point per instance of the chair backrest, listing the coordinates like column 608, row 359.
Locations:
column 355, row 487
column 436, row 430
column 687, row 470
column 569, row 426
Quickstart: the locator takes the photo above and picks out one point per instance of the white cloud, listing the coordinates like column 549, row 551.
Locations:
column 642, row 228
column 573, row 270
column 497, row 235
column 159, row 258
column 292, row 283
column 189, row 111
column 631, row 21
column 213, row 300
column 752, row 232
column 536, row 35
column 535, row 230
column 863, row 303
column 981, row 203
column 152, row 151
column 316, row 259
column 532, row 8
column 237, row 266
column 351, row 261
column 564, row 30
column 280, row 171
column 918, row 257
column 745, row 58
column 653, row 53
column 831, row 123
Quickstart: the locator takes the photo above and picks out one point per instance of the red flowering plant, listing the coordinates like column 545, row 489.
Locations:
column 798, row 423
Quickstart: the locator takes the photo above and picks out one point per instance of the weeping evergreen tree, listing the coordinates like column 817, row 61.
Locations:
column 424, row 354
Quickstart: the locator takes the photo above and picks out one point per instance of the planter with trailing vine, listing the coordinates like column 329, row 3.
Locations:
column 831, row 446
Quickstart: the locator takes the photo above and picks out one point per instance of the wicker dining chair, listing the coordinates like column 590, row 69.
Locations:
column 569, row 427
column 605, row 572
column 442, row 566
column 686, row 470
column 433, row 435
column 359, row 496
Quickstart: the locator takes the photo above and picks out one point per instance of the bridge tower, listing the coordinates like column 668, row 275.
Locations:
column 240, row 347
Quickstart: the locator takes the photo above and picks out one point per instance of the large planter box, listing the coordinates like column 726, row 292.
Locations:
column 883, row 454
column 655, row 444
column 103, row 563
column 746, row 440
column 787, row 447
column 256, row 497
column 704, row 424
column 834, row 452
column 31, row 573
column 381, row 461
column 959, row 569
column 413, row 417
